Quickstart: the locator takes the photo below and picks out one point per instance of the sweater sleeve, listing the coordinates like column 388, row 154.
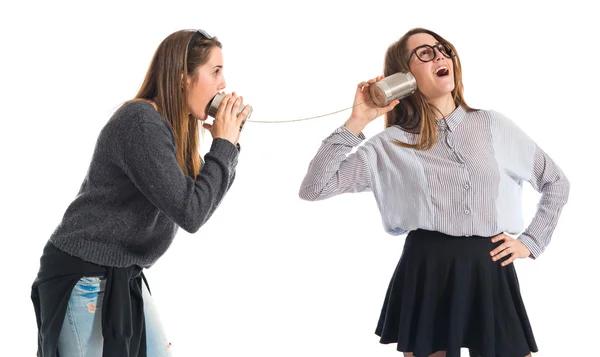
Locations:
column 148, row 158
column 334, row 170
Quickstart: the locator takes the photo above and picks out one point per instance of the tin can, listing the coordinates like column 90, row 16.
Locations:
column 397, row 86
column 216, row 102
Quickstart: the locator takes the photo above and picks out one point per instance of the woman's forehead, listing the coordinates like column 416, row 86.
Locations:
column 419, row 39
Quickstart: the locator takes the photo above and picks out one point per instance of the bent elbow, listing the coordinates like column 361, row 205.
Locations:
column 557, row 191
column 307, row 194
column 192, row 225
column 192, row 229
column 566, row 184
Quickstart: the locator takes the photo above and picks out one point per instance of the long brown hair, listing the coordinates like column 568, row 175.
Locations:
column 171, row 66
column 414, row 114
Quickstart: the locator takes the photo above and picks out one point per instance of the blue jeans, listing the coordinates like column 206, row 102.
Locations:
column 81, row 333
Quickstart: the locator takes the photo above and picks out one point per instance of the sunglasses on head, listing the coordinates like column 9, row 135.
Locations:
column 198, row 33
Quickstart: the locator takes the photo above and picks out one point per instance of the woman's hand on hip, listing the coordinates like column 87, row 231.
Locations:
column 513, row 247
column 365, row 110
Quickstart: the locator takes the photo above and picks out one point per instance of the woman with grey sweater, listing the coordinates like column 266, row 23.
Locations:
column 146, row 179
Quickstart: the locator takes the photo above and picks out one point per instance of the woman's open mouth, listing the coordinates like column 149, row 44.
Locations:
column 441, row 71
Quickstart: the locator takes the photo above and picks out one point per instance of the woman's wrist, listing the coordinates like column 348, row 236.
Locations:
column 355, row 125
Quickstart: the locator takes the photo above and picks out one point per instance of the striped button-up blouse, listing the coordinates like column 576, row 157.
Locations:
column 468, row 183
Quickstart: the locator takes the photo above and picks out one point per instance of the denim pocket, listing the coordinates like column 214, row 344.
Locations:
column 88, row 292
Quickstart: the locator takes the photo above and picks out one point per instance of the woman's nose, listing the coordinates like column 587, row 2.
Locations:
column 223, row 84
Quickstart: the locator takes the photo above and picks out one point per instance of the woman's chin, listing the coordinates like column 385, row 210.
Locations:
column 201, row 117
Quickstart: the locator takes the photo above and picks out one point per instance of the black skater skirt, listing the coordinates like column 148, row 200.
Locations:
column 447, row 293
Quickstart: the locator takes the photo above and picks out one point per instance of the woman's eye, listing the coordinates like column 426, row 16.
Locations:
column 425, row 52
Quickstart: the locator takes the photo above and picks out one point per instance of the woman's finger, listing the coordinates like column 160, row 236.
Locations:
column 391, row 106
column 236, row 107
column 243, row 115
column 500, row 237
column 499, row 248
column 229, row 106
column 502, row 254
column 362, row 85
column 222, row 106
column 509, row 260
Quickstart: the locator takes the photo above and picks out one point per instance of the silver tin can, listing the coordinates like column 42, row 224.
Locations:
column 397, row 86
column 214, row 106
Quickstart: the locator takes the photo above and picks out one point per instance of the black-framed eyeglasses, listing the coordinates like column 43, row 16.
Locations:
column 197, row 34
column 426, row 53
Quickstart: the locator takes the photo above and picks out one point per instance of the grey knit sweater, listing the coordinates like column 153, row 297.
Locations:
column 134, row 195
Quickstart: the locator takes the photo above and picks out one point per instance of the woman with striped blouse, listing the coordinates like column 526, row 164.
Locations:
column 451, row 176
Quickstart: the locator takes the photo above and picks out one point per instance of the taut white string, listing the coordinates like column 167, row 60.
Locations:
column 302, row 119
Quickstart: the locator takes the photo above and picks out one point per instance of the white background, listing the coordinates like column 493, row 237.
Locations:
column 270, row 274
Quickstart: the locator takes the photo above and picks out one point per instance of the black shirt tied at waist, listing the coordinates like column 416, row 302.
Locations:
column 123, row 325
